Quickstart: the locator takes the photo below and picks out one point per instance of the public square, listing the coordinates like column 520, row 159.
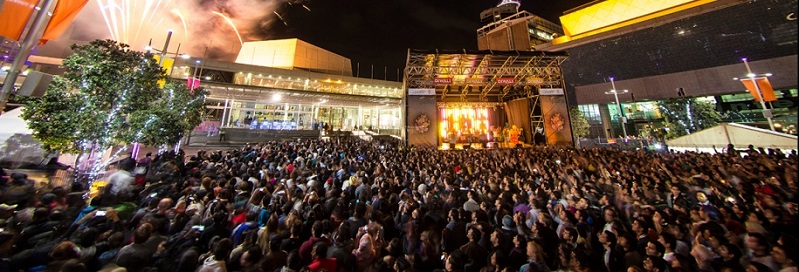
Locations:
column 306, row 135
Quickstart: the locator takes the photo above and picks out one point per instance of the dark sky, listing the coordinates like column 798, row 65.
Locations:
column 379, row 32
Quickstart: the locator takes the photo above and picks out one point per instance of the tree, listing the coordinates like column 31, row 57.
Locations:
column 580, row 126
column 110, row 95
column 688, row 115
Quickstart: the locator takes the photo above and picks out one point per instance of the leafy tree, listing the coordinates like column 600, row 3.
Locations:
column 688, row 115
column 580, row 126
column 110, row 95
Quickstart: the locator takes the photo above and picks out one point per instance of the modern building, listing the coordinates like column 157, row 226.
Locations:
column 293, row 85
column 662, row 49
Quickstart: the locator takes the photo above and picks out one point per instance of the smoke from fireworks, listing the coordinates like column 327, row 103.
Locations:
column 219, row 25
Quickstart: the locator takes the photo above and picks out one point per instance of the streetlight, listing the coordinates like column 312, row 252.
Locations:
column 195, row 76
column 622, row 119
column 754, row 77
column 164, row 52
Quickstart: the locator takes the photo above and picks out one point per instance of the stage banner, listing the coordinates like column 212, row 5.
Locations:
column 422, row 121
column 556, row 120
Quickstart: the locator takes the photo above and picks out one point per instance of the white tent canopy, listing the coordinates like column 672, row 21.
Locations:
column 17, row 146
column 736, row 134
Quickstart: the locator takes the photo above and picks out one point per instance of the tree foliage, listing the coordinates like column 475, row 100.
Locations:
column 580, row 126
column 688, row 115
column 109, row 95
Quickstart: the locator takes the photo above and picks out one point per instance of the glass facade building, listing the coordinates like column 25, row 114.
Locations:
column 257, row 97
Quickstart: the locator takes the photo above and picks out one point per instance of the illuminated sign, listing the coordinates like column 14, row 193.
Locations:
column 415, row 91
column 550, row 91
column 506, row 81
column 474, row 81
column 442, row 81
column 614, row 12
column 534, row 80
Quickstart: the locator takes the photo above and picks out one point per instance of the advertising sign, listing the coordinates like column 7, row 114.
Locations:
column 506, row 81
column 550, row 91
column 416, row 91
column 442, row 80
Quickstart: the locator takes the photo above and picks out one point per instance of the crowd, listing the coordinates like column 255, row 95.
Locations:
column 381, row 206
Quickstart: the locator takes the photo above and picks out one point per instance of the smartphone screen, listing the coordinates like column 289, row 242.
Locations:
column 199, row 228
column 100, row 213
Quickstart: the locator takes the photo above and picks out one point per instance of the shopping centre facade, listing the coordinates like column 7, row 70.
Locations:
column 655, row 49
column 293, row 85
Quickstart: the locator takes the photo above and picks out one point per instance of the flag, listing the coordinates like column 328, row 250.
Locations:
column 765, row 88
column 166, row 65
column 14, row 16
column 193, row 83
column 63, row 15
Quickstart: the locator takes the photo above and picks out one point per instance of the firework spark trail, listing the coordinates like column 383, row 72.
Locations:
column 281, row 18
column 230, row 22
column 182, row 20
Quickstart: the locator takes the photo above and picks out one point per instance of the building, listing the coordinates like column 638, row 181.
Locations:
column 507, row 29
column 293, row 85
column 657, row 49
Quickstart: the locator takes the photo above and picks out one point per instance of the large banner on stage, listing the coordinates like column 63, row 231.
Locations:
column 422, row 119
column 556, row 120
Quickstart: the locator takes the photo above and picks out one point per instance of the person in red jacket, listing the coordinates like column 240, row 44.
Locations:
column 320, row 261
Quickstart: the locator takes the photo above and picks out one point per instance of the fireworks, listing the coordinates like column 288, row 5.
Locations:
column 139, row 23
column 128, row 20
column 232, row 25
column 182, row 20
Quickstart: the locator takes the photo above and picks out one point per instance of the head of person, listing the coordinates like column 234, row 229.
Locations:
column 655, row 264
column 251, row 256
column 319, row 250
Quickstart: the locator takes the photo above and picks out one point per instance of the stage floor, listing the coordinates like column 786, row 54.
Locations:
column 479, row 146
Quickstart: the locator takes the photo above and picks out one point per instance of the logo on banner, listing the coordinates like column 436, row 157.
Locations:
column 474, row 81
column 442, row 80
column 556, row 122
column 550, row 91
column 416, row 91
column 535, row 80
column 506, row 81
column 422, row 123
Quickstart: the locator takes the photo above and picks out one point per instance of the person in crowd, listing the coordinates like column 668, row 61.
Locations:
column 354, row 205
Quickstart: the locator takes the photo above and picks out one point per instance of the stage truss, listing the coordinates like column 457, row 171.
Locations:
column 486, row 77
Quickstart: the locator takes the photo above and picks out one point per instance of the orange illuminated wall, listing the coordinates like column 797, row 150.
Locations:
column 612, row 14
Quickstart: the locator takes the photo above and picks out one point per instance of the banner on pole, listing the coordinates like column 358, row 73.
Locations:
column 765, row 88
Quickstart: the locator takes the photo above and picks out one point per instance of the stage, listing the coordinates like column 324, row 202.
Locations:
column 481, row 146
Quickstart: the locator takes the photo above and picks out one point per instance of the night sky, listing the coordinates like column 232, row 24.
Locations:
column 380, row 32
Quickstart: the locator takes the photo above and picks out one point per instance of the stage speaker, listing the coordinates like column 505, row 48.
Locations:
column 467, row 146
column 35, row 84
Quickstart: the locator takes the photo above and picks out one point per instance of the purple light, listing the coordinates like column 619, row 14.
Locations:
column 744, row 59
column 611, row 78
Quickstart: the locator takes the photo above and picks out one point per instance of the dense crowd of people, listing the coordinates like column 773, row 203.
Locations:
column 381, row 206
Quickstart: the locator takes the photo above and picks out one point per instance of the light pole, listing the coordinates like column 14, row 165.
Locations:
column 622, row 118
column 754, row 77
column 195, row 75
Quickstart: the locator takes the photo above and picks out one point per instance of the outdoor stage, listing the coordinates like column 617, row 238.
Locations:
column 481, row 146
column 478, row 99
